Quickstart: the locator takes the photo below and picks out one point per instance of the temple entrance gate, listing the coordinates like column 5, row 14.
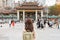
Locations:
column 29, row 9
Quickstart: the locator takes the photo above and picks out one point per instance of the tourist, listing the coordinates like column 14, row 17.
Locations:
column 50, row 23
column 38, row 24
column 42, row 23
column 12, row 23
column 9, row 23
column 29, row 30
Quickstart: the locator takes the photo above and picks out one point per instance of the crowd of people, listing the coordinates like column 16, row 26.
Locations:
column 29, row 28
column 29, row 32
column 41, row 23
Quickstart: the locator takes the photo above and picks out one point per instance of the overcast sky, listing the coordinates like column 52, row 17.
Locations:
column 48, row 2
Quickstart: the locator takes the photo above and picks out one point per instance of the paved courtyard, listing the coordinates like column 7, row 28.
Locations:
column 16, row 33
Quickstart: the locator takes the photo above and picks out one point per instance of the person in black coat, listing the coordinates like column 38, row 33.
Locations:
column 38, row 23
column 44, row 22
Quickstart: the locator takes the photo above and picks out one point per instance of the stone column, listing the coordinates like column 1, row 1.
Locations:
column 42, row 20
column 41, row 13
column 23, row 16
column 17, row 15
column 36, row 15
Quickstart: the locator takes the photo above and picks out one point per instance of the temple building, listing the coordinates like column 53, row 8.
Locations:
column 4, row 3
column 1, row 3
column 58, row 2
column 7, row 10
column 29, row 10
column 22, row 11
column 11, row 3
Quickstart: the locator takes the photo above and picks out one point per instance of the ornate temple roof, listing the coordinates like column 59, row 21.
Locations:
column 4, row 11
column 7, row 10
column 23, row 6
column 29, row 6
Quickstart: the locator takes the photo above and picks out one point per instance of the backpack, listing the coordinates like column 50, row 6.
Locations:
column 28, row 36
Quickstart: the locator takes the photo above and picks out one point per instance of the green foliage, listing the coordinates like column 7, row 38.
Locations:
column 54, row 10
